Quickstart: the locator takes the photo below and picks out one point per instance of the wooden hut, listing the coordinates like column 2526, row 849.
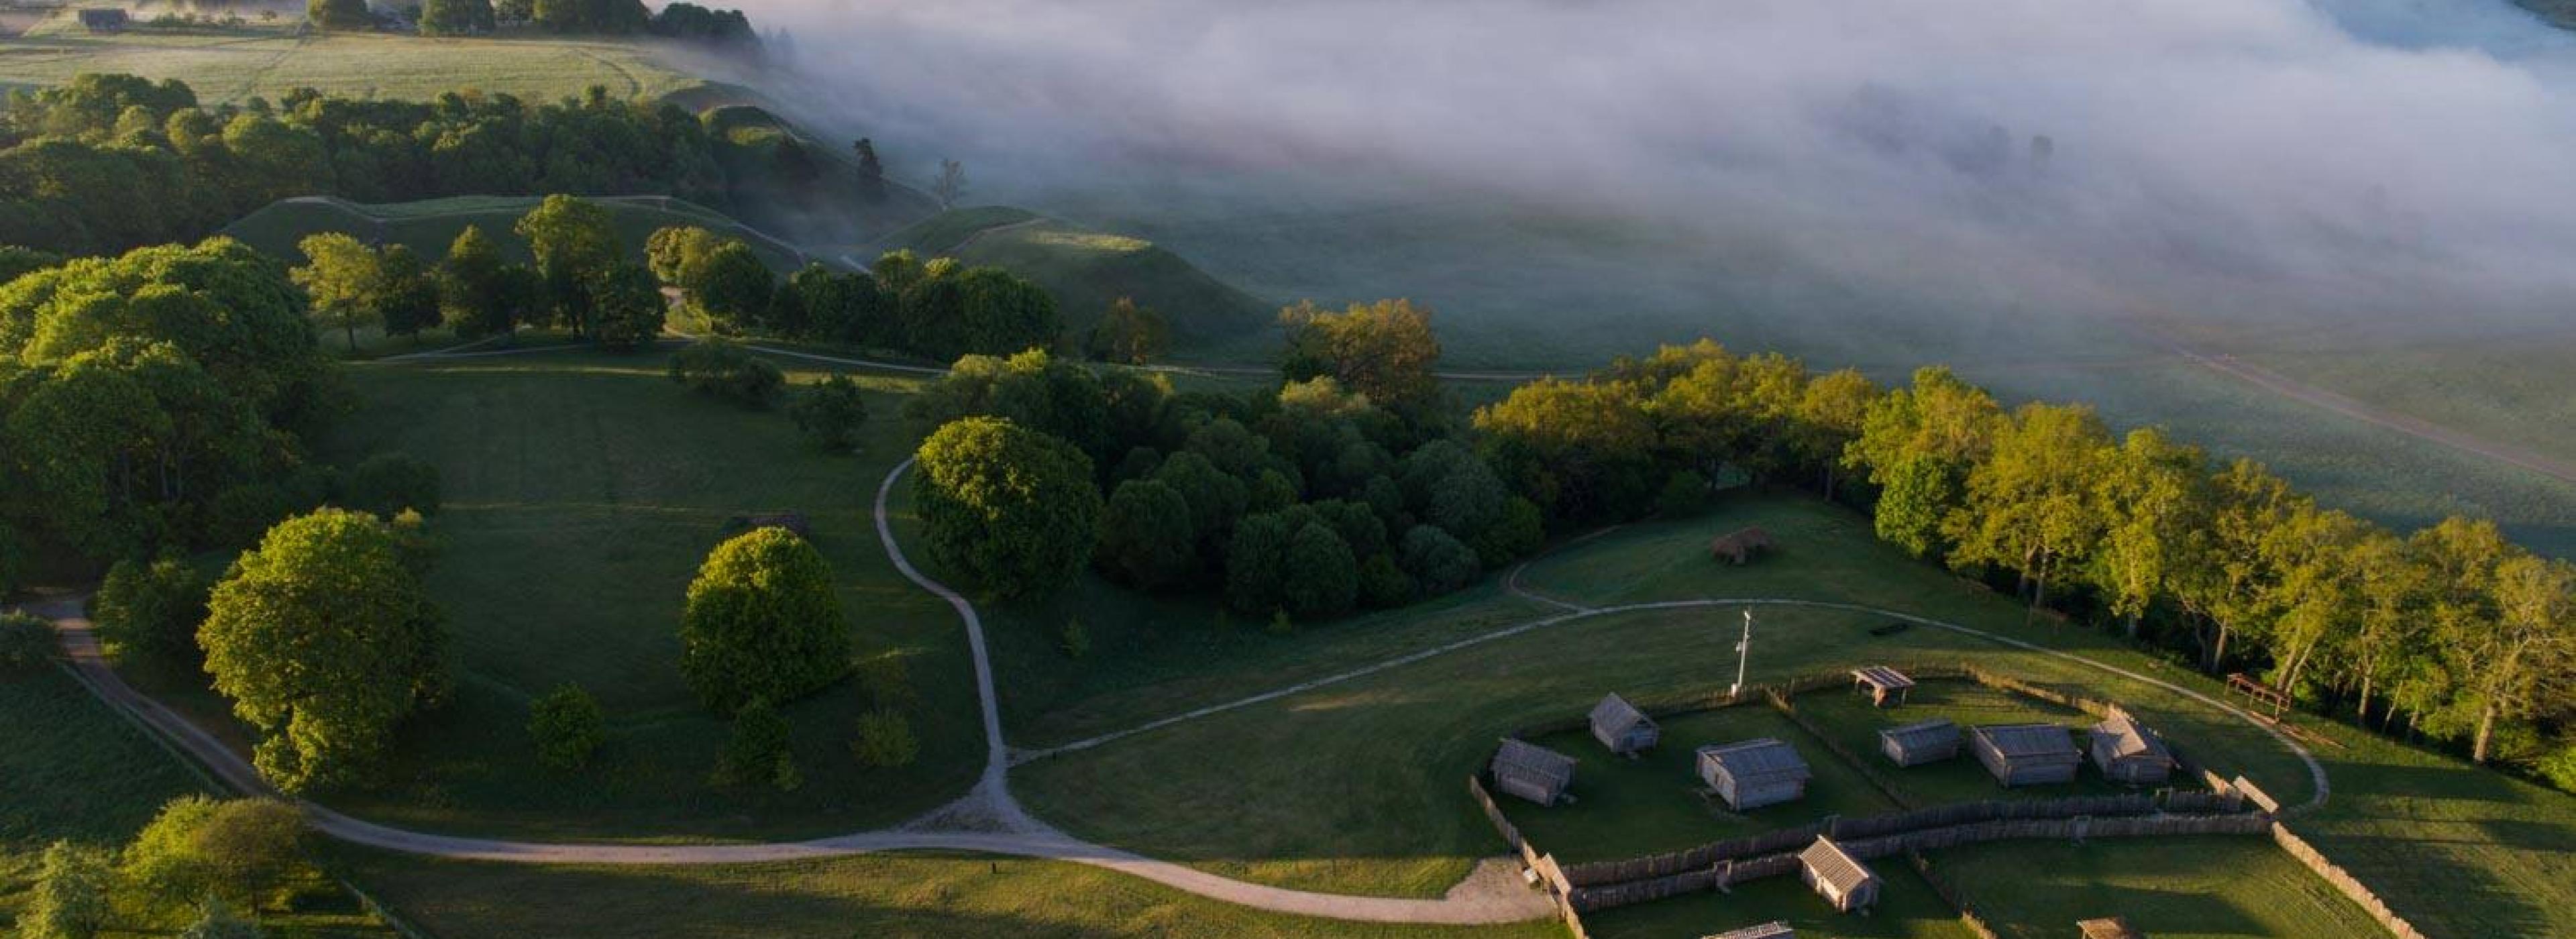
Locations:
column 104, row 19
column 1621, row 727
column 1774, row 929
column 2128, row 753
column 2026, row 754
column 1920, row 742
column 1754, row 773
column 1837, row 876
column 1740, row 545
column 2109, row 927
column 1881, row 682
column 1532, row 772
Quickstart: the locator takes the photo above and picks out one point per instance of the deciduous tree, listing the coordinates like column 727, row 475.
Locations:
column 762, row 622
column 1013, row 509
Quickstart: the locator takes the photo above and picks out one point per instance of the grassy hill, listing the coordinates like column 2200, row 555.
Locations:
column 429, row 226
column 227, row 65
column 1087, row 270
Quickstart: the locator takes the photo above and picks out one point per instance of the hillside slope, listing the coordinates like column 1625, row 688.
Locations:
column 1088, row 270
column 429, row 226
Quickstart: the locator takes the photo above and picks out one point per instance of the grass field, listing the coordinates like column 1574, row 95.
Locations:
column 1087, row 270
column 228, row 66
column 2208, row 887
column 1907, row 909
column 429, row 226
column 74, row 770
column 913, row 896
column 582, row 491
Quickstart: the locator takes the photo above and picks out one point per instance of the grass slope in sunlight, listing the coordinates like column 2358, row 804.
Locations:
column 229, row 66
column 582, row 491
column 2204, row 887
column 1088, row 270
column 430, row 225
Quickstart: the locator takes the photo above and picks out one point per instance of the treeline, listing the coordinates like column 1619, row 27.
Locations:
column 1340, row 489
column 109, row 162
column 2457, row 632
column 937, row 310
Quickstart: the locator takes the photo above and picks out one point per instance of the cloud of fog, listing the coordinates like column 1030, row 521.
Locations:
column 2391, row 158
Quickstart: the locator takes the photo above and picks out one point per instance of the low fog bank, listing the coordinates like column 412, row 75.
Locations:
column 2383, row 162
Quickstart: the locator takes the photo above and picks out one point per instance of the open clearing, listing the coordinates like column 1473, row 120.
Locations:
column 229, row 66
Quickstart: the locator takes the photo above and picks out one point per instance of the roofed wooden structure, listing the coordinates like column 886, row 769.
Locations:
column 1837, row 876
column 1771, row 930
column 1740, row 545
column 2109, row 927
column 1754, row 773
column 1921, row 742
column 104, row 19
column 1621, row 727
column 2128, row 753
column 1531, row 771
column 2258, row 693
column 2026, row 754
column 1882, row 681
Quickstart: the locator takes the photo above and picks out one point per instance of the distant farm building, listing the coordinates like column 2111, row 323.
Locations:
column 1621, row 727
column 104, row 19
column 2128, row 753
column 1882, row 682
column 1770, row 930
column 1837, row 876
column 1740, row 546
column 1920, row 742
column 2111, row 927
column 1754, row 773
column 1532, row 772
column 2026, row 754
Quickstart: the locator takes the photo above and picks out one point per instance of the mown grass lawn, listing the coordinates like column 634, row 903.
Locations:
column 907, row 896
column 73, row 770
column 229, row 66
column 2203, row 887
column 582, row 490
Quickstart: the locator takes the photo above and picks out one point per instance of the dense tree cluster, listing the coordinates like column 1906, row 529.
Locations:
column 155, row 398
column 108, row 162
column 353, row 285
column 2453, row 629
column 325, row 641
column 937, row 310
column 1308, row 498
column 196, row 862
column 691, row 21
column 722, row 369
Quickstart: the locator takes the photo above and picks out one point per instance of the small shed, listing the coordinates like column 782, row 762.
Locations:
column 1621, row 727
column 104, row 19
column 1881, row 682
column 1532, row 772
column 1774, row 929
column 2128, row 753
column 2109, row 927
column 1837, row 876
column 1740, row 546
column 1921, row 742
column 1754, row 773
column 2026, row 754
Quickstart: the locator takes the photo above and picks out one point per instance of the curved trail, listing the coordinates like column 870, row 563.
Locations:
column 989, row 819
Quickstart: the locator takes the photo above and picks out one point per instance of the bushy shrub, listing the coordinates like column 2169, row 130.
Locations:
column 1438, row 562
column 238, row 849
column 70, row 897
column 885, row 740
column 26, row 642
column 1685, row 494
column 722, row 369
column 2560, row 767
column 830, row 414
column 1383, row 583
column 150, row 611
column 567, row 727
column 390, row 482
column 758, row 752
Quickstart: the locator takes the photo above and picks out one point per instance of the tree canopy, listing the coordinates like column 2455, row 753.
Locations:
column 1013, row 509
column 762, row 622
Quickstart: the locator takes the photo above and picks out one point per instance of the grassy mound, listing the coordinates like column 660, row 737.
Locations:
column 430, row 225
column 1088, row 270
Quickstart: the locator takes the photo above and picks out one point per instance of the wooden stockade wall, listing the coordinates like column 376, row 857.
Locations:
column 2343, row 881
column 1544, row 865
column 1951, row 894
column 1584, row 899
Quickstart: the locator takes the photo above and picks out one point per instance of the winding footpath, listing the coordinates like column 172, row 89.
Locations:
column 989, row 819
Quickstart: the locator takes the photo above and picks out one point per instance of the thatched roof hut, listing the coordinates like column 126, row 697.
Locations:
column 1921, row 742
column 1740, row 545
column 1621, row 727
column 2026, row 754
column 1754, row 773
column 1771, row 930
column 2128, row 753
column 1882, row 681
column 1837, row 876
column 1531, row 771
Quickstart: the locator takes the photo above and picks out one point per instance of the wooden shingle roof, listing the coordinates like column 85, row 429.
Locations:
column 1530, row 761
column 1761, row 758
column 1833, row 865
column 1933, row 732
column 2041, row 742
column 1882, row 677
column 2128, row 740
column 1615, row 715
